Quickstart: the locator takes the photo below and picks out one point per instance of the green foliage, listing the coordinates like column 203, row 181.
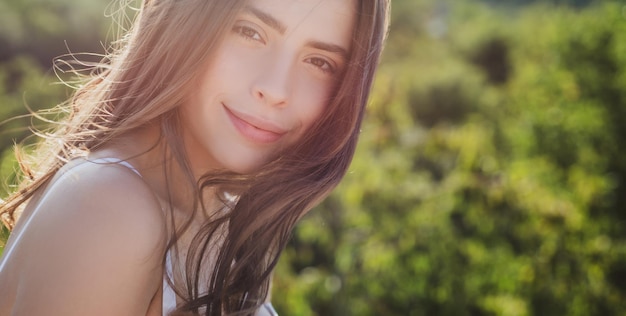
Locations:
column 24, row 89
column 44, row 29
column 489, row 179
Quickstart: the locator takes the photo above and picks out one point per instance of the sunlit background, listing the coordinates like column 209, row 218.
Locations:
column 491, row 174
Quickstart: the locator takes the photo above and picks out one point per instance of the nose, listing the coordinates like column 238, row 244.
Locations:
column 272, row 85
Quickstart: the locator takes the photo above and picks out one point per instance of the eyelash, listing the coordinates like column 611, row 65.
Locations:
column 325, row 66
column 248, row 33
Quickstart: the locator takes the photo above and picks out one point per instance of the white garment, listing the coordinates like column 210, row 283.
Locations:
column 112, row 160
column 169, row 296
column 16, row 238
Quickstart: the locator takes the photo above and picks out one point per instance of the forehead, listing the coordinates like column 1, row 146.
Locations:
column 333, row 19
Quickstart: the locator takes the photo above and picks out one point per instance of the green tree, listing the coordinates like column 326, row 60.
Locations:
column 487, row 180
column 490, row 175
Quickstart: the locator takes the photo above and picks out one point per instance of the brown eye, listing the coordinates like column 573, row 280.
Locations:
column 322, row 64
column 248, row 33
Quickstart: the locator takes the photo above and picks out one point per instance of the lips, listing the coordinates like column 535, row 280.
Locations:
column 255, row 129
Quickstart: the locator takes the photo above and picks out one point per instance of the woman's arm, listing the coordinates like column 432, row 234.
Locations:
column 94, row 247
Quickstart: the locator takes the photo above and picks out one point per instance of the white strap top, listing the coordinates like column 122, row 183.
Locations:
column 169, row 296
column 116, row 161
column 16, row 238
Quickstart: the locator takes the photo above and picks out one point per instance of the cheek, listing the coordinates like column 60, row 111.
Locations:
column 231, row 65
column 309, row 103
column 316, row 94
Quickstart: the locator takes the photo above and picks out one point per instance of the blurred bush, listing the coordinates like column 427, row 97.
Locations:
column 490, row 177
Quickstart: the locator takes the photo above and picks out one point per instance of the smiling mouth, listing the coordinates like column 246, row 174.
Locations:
column 254, row 129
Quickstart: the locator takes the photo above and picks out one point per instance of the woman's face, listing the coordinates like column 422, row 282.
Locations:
column 268, row 82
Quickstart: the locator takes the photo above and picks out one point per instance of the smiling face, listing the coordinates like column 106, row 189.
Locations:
column 267, row 83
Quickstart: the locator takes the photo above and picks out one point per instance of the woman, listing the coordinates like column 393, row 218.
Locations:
column 183, row 165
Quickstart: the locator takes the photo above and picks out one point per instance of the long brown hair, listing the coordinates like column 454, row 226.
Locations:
column 144, row 81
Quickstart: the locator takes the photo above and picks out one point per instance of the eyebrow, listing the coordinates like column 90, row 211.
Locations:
column 281, row 28
column 267, row 19
column 332, row 48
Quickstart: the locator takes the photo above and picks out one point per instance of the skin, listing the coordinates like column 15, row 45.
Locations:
column 268, row 83
column 101, row 254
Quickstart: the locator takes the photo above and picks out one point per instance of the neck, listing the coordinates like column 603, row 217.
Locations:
column 147, row 151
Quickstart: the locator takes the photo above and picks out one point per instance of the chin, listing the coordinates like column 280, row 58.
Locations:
column 245, row 167
column 244, row 161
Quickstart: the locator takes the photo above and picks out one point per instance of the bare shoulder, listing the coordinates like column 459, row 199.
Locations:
column 93, row 247
column 106, row 197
